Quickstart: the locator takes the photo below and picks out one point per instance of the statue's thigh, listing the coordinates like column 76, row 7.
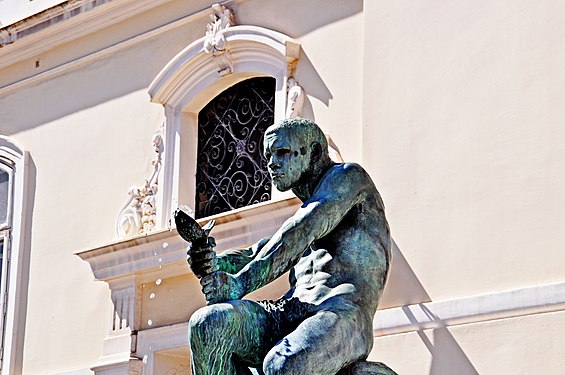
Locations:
column 236, row 327
column 321, row 344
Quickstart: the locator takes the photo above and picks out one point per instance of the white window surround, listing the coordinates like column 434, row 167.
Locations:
column 190, row 80
column 16, row 159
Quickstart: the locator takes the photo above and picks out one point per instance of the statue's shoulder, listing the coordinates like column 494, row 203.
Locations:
column 348, row 169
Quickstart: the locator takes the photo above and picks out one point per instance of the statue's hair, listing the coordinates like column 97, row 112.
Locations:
column 308, row 131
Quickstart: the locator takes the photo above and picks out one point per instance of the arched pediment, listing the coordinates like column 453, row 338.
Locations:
column 252, row 51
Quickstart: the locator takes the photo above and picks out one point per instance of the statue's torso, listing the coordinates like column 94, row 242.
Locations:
column 349, row 265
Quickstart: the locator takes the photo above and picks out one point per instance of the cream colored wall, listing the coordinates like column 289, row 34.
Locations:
column 453, row 107
column 463, row 116
column 82, row 160
column 89, row 135
column 88, row 130
column 330, row 65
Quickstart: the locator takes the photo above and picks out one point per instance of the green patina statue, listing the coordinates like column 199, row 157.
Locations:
column 337, row 249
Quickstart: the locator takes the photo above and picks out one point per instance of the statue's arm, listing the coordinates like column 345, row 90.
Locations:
column 335, row 195
column 233, row 260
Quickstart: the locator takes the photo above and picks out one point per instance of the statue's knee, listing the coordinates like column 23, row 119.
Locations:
column 205, row 323
column 277, row 363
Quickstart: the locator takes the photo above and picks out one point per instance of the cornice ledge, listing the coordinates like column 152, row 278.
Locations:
column 64, row 23
column 165, row 252
column 473, row 309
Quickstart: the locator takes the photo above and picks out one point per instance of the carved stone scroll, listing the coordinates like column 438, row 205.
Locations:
column 139, row 214
column 215, row 41
column 295, row 99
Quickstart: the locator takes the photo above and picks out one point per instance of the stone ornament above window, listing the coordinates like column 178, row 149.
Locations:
column 215, row 41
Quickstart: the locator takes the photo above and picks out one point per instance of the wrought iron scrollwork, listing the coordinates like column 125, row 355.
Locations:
column 232, row 171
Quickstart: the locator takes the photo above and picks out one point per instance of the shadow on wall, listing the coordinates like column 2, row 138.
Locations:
column 86, row 86
column 447, row 356
column 296, row 17
column 404, row 288
column 130, row 70
column 312, row 83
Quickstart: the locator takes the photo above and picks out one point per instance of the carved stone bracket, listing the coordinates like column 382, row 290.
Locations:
column 139, row 214
column 295, row 98
column 215, row 42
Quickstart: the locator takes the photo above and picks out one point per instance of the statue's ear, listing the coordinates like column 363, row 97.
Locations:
column 316, row 154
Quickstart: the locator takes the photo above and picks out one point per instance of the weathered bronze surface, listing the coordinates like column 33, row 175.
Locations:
column 337, row 249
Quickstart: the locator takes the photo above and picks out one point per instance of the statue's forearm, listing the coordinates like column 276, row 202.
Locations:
column 233, row 262
column 277, row 256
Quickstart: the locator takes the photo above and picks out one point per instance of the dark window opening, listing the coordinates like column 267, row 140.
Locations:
column 232, row 171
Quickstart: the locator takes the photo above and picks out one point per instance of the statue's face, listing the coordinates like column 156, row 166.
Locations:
column 287, row 159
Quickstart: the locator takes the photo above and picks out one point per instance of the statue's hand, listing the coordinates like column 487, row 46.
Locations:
column 220, row 287
column 202, row 258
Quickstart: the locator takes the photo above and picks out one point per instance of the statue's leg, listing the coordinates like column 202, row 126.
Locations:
column 322, row 344
column 223, row 333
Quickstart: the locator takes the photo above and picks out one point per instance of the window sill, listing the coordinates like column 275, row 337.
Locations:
column 164, row 251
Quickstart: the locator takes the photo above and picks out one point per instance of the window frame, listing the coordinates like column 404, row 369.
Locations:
column 5, row 236
column 7, row 166
column 15, row 161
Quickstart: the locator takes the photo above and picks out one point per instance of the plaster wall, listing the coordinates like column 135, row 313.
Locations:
column 87, row 152
column 166, row 301
column 88, row 129
column 330, row 65
column 462, row 132
column 89, row 137
column 107, row 37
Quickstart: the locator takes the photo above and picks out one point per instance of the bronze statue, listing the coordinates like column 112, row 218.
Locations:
column 337, row 248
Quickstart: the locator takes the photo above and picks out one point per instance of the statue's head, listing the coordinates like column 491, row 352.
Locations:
column 295, row 150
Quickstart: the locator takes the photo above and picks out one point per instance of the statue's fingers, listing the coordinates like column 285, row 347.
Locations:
column 208, row 270
column 211, row 301
column 208, row 289
column 202, row 256
column 206, row 280
column 199, row 268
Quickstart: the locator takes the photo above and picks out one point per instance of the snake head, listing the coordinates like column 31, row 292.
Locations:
column 189, row 229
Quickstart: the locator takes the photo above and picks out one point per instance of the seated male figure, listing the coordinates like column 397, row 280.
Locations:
column 337, row 249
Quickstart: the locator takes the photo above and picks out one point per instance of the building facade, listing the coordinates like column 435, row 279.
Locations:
column 114, row 113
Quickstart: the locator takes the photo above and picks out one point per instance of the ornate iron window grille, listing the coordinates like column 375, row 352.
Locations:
column 232, row 170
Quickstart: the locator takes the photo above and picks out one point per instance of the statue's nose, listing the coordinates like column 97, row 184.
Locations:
column 272, row 164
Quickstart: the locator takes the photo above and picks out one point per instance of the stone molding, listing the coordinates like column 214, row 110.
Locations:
column 254, row 50
column 143, row 255
column 64, row 23
column 87, row 23
column 473, row 309
column 215, row 41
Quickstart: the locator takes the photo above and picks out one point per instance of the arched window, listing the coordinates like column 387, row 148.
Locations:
column 231, row 170
column 189, row 82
